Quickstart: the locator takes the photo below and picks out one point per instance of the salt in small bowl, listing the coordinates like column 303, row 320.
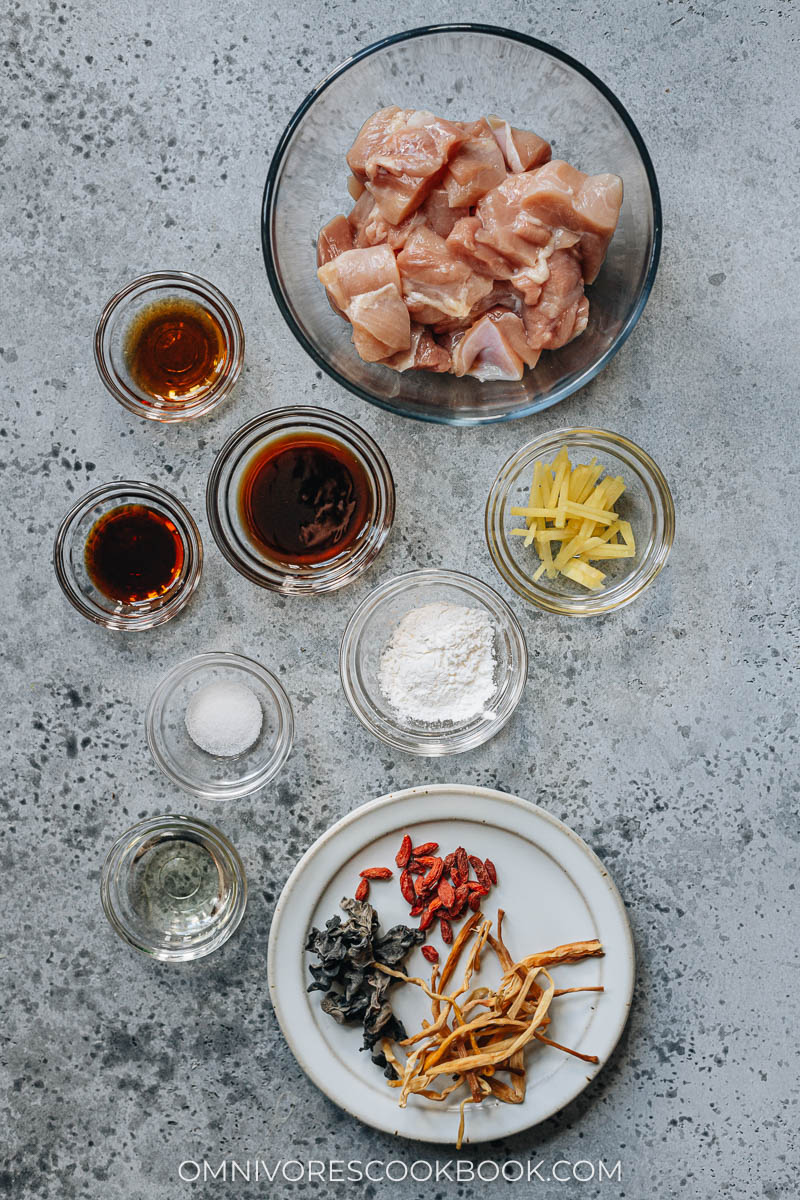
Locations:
column 217, row 777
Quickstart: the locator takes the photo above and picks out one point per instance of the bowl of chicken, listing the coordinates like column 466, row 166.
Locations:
column 461, row 224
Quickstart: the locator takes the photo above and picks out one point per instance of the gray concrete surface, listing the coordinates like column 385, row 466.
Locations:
column 137, row 136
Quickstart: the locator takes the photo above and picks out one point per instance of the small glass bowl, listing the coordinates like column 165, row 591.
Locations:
column 70, row 565
column 369, row 631
column 646, row 503
column 230, row 534
column 174, row 888
column 210, row 776
column 116, row 320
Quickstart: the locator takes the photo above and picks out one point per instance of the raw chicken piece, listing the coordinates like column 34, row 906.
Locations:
column 334, row 239
column 501, row 296
column 360, row 219
column 480, row 257
column 365, row 285
column 357, row 271
column 355, row 187
column 439, row 214
column 424, row 354
column 397, row 196
column 521, row 150
column 400, row 155
column 371, row 136
column 436, row 283
column 475, row 168
column 494, row 348
column 381, row 325
column 449, row 341
column 561, row 307
column 529, row 284
column 529, row 280
column 592, row 249
column 519, row 237
column 559, row 194
column 370, row 228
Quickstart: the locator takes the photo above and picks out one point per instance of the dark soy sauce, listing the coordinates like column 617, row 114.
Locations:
column 133, row 553
column 305, row 498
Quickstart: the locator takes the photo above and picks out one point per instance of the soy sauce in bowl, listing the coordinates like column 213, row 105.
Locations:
column 305, row 498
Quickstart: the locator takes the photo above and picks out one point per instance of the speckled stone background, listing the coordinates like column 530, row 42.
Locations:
column 136, row 137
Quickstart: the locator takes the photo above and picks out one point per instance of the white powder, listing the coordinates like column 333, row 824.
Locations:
column 439, row 664
column 224, row 718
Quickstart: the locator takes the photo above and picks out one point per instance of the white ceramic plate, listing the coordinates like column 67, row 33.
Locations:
column 553, row 888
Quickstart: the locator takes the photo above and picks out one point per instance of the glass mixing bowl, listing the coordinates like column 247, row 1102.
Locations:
column 459, row 71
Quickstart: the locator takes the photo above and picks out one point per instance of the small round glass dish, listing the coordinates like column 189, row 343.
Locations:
column 173, row 887
column 459, row 71
column 69, row 556
column 646, row 503
column 369, row 631
column 171, row 297
column 224, row 508
column 211, row 776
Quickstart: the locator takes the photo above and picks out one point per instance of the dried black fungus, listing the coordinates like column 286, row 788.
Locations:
column 355, row 993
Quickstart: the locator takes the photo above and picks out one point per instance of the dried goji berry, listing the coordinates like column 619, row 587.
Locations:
column 362, row 891
column 481, row 873
column 416, row 868
column 416, row 909
column 459, row 904
column 446, row 893
column 425, row 848
column 446, row 930
column 475, row 901
column 474, row 886
column 419, row 886
column 404, row 853
column 491, row 869
column 431, row 953
column 434, row 874
column 461, row 866
column 430, row 911
column 407, row 887
column 376, row 873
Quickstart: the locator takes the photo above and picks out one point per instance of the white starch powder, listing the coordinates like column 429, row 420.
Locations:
column 439, row 664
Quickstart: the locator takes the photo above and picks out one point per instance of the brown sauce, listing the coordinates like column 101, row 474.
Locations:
column 305, row 498
column 175, row 349
column 133, row 553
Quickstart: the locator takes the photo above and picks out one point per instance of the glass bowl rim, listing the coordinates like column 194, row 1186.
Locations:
column 633, row 584
column 210, row 399
column 305, row 582
column 436, row 742
column 270, row 190
column 175, row 822
column 178, row 512
column 282, row 706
